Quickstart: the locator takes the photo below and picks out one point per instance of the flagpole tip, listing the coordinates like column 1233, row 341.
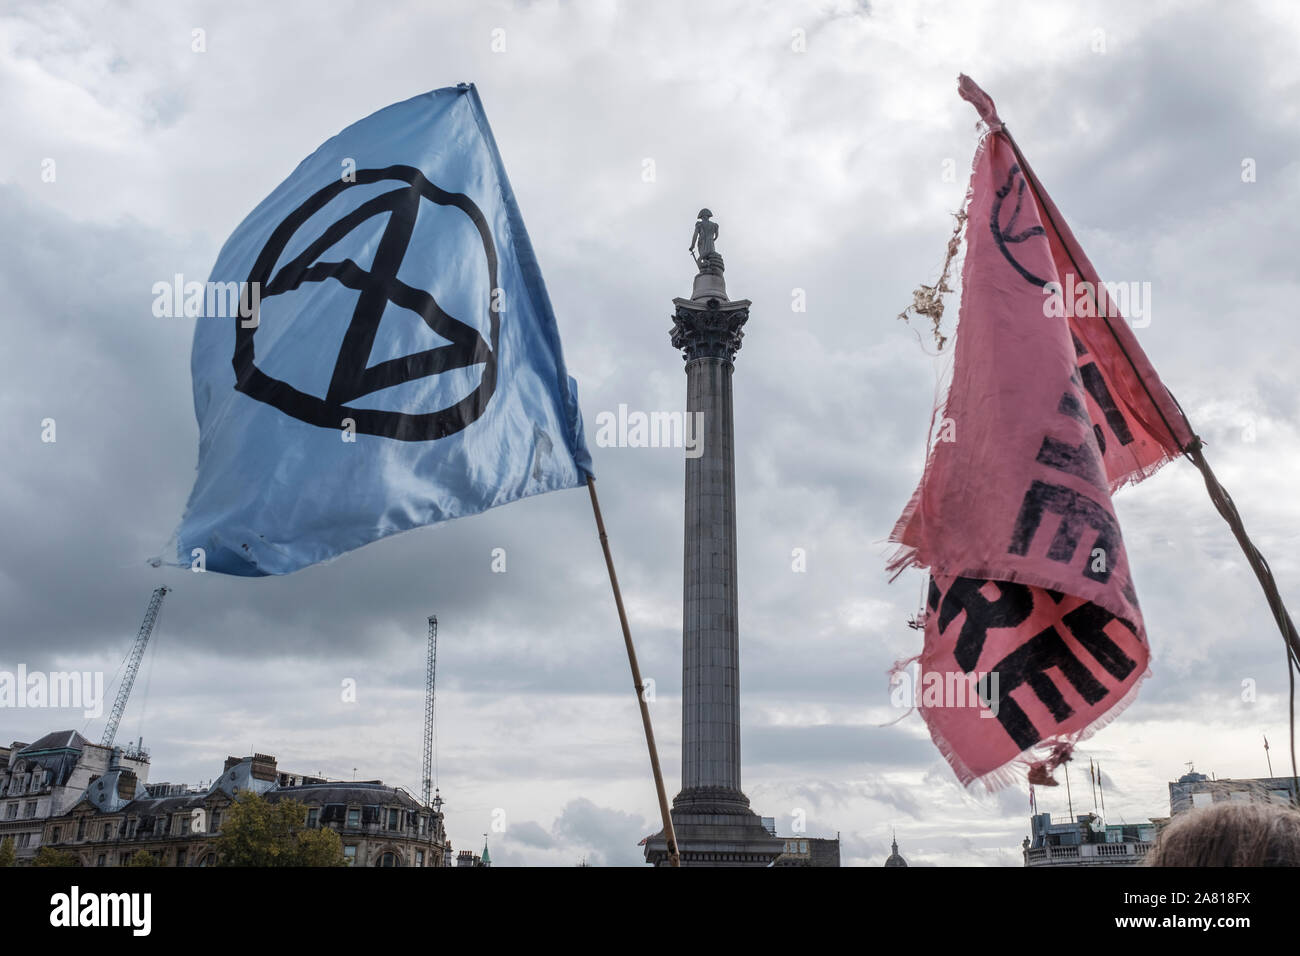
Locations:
column 970, row 91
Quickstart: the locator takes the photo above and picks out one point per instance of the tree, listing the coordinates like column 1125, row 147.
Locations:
column 8, row 855
column 48, row 856
column 260, row 832
column 144, row 858
column 320, row 848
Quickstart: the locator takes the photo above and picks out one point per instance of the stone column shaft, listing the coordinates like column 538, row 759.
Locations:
column 708, row 330
column 710, row 629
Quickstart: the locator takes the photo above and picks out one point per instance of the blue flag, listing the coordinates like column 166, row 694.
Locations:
column 393, row 360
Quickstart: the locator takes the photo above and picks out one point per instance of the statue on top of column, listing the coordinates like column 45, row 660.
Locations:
column 708, row 261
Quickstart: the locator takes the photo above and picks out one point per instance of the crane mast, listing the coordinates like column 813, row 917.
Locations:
column 429, row 674
column 133, row 665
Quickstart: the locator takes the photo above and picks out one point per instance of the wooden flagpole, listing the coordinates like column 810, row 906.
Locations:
column 1218, row 494
column 670, row 835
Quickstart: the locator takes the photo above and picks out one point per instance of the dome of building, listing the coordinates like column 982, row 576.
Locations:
column 894, row 858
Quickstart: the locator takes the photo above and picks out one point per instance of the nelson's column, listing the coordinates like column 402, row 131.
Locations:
column 712, row 818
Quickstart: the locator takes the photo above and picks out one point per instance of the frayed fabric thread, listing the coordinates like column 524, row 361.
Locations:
column 927, row 300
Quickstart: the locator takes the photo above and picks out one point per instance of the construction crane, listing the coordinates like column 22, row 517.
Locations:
column 133, row 665
column 429, row 675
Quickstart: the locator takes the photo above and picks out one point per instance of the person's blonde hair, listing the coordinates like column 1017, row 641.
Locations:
column 1230, row 834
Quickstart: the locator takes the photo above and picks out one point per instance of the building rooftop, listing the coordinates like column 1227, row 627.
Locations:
column 370, row 793
column 56, row 741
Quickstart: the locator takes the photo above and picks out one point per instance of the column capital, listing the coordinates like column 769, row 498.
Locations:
column 709, row 327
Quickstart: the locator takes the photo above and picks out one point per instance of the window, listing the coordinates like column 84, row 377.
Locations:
column 108, row 831
column 392, row 819
column 1239, row 796
column 55, row 833
column 216, row 821
column 100, row 860
column 29, row 809
column 180, row 857
column 313, row 815
column 81, row 828
column 123, row 859
column 11, row 811
column 1203, row 799
column 419, row 858
column 388, row 859
column 1280, row 796
column 24, row 840
column 130, row 827
column 354, row 817
column 350, row 854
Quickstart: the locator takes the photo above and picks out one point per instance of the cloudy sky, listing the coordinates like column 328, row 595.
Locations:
column 824, row 161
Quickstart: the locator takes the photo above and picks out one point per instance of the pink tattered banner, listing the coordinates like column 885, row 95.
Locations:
column 1052, row 407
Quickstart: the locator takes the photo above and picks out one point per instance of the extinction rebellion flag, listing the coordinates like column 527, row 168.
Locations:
column 1052, row 408
column 395, row 361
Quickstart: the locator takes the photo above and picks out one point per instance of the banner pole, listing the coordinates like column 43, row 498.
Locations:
column 1218, row 494
column 1264, row 574
column 670, row 835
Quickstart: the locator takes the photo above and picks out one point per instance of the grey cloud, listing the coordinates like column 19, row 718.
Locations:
column 823, row 170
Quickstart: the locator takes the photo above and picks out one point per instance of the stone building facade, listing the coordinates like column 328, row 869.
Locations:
column 1193, row 790
column 94, row 802
column 1086, row 841
column 1089, row 842
column 46, row 778
column 810, row 851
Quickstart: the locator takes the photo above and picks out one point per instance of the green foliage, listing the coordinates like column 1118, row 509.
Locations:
column 259, row 832
column 144, row 858
column 8, row 855
column 48, row 856
column 320, row 848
